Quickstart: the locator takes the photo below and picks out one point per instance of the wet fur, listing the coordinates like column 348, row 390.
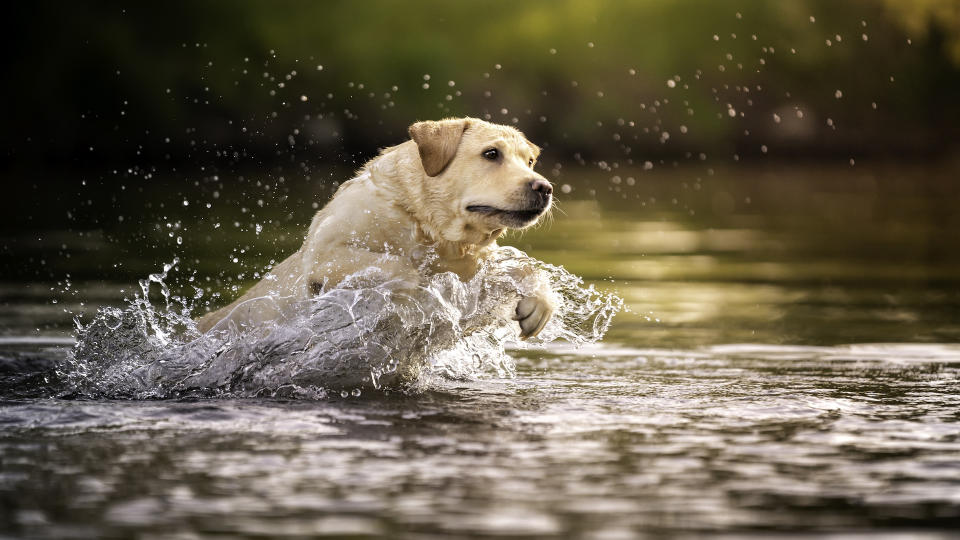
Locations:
column 405, row 212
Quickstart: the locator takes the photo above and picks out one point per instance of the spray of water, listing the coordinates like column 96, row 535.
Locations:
column 370, row 333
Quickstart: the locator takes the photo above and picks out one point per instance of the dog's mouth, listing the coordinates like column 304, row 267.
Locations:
column 514, row 218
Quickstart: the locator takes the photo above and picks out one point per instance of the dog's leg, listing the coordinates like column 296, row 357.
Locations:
column 535, row 308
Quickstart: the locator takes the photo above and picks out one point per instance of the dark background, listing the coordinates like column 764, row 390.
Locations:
column 211, row 131
column 127, row 84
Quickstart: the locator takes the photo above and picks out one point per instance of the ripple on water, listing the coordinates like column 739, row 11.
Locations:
column 710, row 439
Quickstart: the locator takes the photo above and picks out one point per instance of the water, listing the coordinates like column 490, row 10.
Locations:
column 598, row 443
column 784, row 366
column 371, row 332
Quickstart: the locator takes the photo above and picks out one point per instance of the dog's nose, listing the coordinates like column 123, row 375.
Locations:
column 541, row 186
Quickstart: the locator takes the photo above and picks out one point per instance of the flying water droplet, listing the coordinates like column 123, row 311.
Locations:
column 373, row 332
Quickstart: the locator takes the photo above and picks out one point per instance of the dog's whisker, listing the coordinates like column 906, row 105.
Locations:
column 359, row 224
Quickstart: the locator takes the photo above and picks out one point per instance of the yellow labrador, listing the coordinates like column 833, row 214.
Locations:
column 435, row 203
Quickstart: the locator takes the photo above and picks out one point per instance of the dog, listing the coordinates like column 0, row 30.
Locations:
column 435, row 203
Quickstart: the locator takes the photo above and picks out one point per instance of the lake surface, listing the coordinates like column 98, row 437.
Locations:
column 787, row 363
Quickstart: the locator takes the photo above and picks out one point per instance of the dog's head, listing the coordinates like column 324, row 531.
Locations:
column 481, row 174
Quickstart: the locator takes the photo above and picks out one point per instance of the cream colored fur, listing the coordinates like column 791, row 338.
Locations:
column 406, row 212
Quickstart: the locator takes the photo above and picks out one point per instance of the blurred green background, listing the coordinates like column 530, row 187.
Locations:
column 738, row 170
column 129, row 83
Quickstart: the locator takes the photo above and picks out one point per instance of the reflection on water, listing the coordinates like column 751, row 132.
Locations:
column 786, row 364
column 604, row 442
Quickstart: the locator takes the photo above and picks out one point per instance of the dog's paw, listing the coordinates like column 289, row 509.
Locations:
column 533, row 313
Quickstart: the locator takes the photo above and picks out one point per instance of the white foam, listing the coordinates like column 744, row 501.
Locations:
column 371, row 332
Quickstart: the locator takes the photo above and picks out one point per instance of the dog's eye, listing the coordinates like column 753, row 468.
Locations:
column 491, row 154
column 530, row 163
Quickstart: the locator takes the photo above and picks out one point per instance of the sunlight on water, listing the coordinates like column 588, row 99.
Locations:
column 372, row 332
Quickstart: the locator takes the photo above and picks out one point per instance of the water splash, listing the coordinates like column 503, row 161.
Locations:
column 370, row 333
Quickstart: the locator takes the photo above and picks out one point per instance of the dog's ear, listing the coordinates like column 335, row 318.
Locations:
column 437, row 142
